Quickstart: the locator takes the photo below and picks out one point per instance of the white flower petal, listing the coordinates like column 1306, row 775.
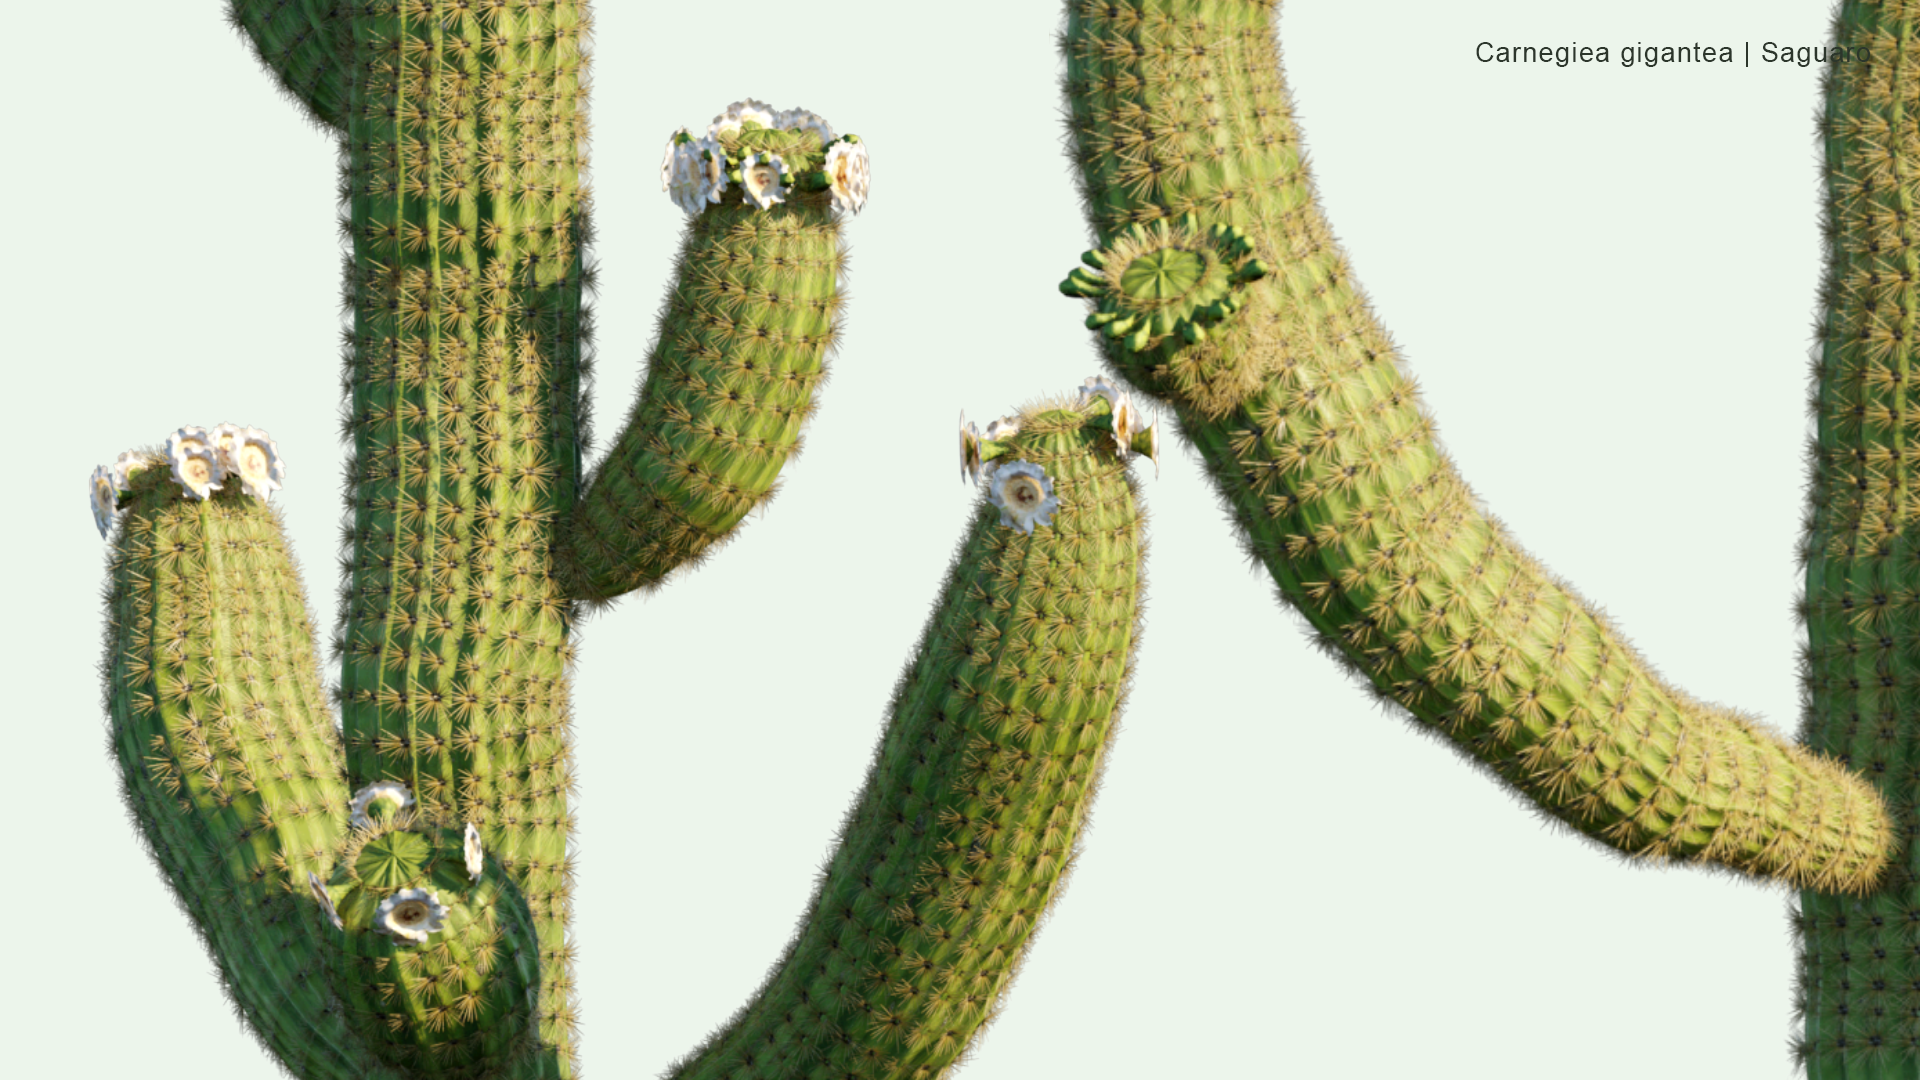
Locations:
column 762, row 177
column 382, row 791
column 326, row 902
column 101, row 493
column 255, row 459
column 410, row 915
column 803, row 120
column 969, row 449
column 476, row 858
column 848, row 175
column 196, row 461
column 1024, row 493
column 739, row 113
column 123, row 469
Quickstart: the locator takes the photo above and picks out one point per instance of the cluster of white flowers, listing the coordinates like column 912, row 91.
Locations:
column 388, row 791
column 410, row 915
column 200, row 461
column 695, row 170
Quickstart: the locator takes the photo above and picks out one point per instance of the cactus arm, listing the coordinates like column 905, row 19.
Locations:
column 305, row 45
column 228, row 756
column 971, row 811
column 742, row 347
column 1859, row 612
column 1316, row 440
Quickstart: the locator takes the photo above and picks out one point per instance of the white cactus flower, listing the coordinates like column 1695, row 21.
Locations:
column 1024, row 493
column 806, row 121
column 1125, row 422
column 848, row 176
column 476, row 858
column 410, row 915
column 694, row 173
column 1094, row 387
column 1153, row 445
column 125, row 466
column 105, row 498
column 969, row 449
column 1004, row 428
column 666, row 162
column 762, row 177
column 326, row 902
column 196, row 461
column 379, row 791
column 739, row 113
column 253, row 456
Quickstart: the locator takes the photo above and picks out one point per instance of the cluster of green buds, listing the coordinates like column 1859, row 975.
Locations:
column 1022, row 490
column 765, row 154
column 1175, row 279
column 201, row 462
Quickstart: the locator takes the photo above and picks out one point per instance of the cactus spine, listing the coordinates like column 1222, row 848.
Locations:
column 1316, row 441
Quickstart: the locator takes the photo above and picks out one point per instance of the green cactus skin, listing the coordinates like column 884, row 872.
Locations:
column 228, row 754
column 972, row 808
column 459, row 1004
column 1316, row 441
column 1858, row 989
column 306, row 46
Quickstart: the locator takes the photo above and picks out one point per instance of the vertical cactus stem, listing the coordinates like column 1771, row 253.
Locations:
column 1317, row 442
column 467, row 216
column 970, row 816
column 227, row 753
column 1859, row 549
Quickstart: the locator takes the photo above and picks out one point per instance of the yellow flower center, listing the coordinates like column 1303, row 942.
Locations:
column 197, row 472
column 253, row 462
column 410, row 913
column 764, row 177
column 1024, row 492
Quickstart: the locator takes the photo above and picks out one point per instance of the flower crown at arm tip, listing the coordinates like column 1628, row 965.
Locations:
column 751, row 146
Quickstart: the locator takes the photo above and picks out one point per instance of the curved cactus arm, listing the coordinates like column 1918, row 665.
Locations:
column 306, row 45
column 972, row 809
column 743, row 341
column 1238, row 306
column 228, row 755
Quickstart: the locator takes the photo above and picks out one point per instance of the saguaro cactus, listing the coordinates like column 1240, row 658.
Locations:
column 1191, row 169
column 391, row 898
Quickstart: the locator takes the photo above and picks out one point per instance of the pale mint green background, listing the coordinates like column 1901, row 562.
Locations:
column 1603, row 279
